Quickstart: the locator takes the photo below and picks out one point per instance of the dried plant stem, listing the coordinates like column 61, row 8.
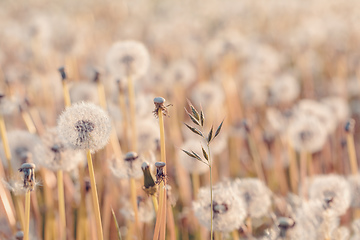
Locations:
column 134, row 200
column 131, row 92
column 155, row 203
column 256, row 158
column 81, row 224
column 66, row 94
column 211, row 193
column 122, row 104
column 28, row 122
column 60, row 186
column 160, row 226
column 9, row 209
column 217, row 236
column 6, row 144
column 94, row 196
column 172, row 229
column 293, row 169
column 303, row 168
column 27, row 215
column 352, row 153
column 235, row 235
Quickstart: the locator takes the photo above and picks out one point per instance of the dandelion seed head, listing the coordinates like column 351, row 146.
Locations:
column 127, row 59
column 306, row 133
column 190, row 164
column 333, row 191
column 341, row 233
column 145, row 210
column 130, row 166
column 53, row 153
column 148, row 135
column 283, row 89
column 256, row 196
column 228, row 209
column 22, row 146
column 354, row 183
column 181, row 72
column 84, row 126
column 320, row 111
column 84, row 91
column 7, row 106
column 338, row 106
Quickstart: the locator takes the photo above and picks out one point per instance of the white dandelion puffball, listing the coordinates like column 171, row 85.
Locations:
column 85, row 126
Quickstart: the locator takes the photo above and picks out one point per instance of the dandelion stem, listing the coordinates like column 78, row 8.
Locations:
column 196, row 183
column 235, row 235
column 27, row 215
column 66, row 94
column 155, row 203
column 60, row 183
column 352, row 154
column 94, row 196
column 134, row 200
column 28, row 122
column 6, row 144
column 303, row 168
column 132, row 114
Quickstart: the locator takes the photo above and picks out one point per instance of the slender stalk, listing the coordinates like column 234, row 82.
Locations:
column 66, row 94
column 28, row 122
column 352, row 154
column 235, row 235
column 211, row 194
column 134, row 200
column 256, row 158
column 155, row 203
column 6, row 145
column 60, row 186
column 8, row 207
column 196, row 183
column 172, row 229
column 303, row 168
column 293, row 169
column 27, row 215
column 94, row 196
column 132, row 114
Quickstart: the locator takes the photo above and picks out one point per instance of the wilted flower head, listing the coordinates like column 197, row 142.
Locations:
column 306, row 133
column 145, row 210
column 84, row 126
column 319, row 110
column 130, row 166
column 283, row 89
column 22, row 145
column 228, row 209
column 333, row 191
column 84, row 91
column 190, row 164
column 255, row 195
column 127, row 59
column 54, row 154
column 28, row 169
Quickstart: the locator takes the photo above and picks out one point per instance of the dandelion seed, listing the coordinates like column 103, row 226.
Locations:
column 333, row 191
column 127, row 59
column 84, row 126
column 256, row 196
column 53, row 153
column 22, row 146
column 228, row 210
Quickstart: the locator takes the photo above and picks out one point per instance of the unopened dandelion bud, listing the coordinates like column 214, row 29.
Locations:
column 19, row 235
column 350, row 126
column 62, row 73
column 284, row 225
column 29, row 175
column 149, row 183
